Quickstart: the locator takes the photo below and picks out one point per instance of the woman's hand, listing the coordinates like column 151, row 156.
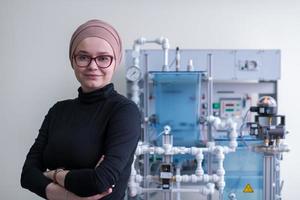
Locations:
column 57, row 176
column 49, row 174
column 97, row 196
column 54, row 192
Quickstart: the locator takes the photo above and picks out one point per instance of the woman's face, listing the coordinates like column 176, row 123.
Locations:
column 93, row 76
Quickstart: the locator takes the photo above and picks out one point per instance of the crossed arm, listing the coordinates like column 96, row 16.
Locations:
column 88, row 184
column 56, row 191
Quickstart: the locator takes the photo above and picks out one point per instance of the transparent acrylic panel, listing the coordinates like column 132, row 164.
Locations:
column 174, row 100
column 244, row 172
column 176, row 103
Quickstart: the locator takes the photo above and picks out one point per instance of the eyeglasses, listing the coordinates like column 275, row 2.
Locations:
column 102, row 61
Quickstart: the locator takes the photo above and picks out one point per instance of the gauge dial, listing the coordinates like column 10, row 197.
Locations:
column 133, row 73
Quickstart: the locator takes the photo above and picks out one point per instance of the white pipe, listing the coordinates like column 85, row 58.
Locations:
column 199, row 176
column 178, row 184
column 229, row 124
column 204, row 190
column 205, row 178
column 135, row 93
column 166, row 46
column 190, row 66
column 132, row 183
column 164, row 42
column 199, row 157
column 171, row 150
column 135, row 180
column 219, row 152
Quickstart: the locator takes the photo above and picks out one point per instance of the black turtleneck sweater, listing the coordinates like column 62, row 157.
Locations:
column 75, row 134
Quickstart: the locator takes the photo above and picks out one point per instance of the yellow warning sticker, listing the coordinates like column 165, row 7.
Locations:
column 248, row 189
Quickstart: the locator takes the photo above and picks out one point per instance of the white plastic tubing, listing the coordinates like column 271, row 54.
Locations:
column 211, row 181
column 164, row 42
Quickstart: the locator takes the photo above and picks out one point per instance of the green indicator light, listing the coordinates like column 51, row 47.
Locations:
column 216, row 105
column 229, row 110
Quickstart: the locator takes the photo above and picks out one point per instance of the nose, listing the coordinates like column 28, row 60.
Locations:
column 93, row 65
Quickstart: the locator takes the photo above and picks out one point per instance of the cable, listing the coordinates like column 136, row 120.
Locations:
column 241, row 128
column 171, row 64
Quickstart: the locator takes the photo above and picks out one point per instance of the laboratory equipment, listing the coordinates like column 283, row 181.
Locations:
column 210, row 126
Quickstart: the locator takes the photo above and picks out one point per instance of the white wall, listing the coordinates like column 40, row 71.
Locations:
column 35, row 71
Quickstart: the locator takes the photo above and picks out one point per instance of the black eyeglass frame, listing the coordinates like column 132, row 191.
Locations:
column 94, row 58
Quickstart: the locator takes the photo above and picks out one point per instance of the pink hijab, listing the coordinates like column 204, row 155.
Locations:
column 100, row 29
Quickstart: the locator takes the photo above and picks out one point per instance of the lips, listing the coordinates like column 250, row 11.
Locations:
column 92, row 76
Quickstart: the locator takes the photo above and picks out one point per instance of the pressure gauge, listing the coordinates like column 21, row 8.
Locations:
column 133, row 73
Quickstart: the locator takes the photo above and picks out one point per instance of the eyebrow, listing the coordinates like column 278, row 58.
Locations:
column 97, row 53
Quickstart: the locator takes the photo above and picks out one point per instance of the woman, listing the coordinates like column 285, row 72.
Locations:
column 76, row 134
